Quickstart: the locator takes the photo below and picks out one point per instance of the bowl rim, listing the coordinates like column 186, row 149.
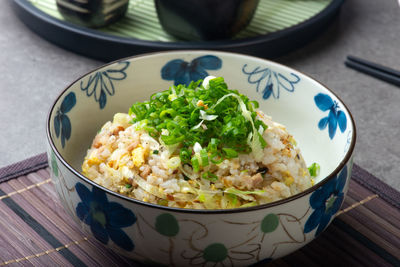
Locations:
column 331, row 176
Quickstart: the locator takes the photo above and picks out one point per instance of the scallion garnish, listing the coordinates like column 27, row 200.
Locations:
column 204, row 157
column 223, row 122
column 314, row 169
column 210, row 176
column 195, row 164
column 229, row 153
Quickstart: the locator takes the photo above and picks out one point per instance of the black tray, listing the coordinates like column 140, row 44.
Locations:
column 107, row 47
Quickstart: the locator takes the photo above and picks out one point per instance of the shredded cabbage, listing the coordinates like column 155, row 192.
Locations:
column 206, row 117
column 244, row 194
column 151, row 189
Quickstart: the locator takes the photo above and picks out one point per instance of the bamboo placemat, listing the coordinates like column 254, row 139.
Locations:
column 35, row 230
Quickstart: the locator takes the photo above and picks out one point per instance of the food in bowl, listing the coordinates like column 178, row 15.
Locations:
column 201, row 146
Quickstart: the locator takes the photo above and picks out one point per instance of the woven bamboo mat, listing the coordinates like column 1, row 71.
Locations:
column 35, row 230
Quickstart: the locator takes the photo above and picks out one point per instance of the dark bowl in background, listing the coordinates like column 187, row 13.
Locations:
column 205, row 19
column 92, row 13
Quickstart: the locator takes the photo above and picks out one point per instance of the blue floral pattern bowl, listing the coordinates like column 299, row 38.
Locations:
column 149, row 233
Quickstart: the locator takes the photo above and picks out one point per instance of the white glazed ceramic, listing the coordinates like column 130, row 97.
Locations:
column 318, row 119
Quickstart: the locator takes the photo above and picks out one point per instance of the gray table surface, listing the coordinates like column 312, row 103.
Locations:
column 34, row 71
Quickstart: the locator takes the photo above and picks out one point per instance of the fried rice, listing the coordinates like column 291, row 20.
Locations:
column 129, row 160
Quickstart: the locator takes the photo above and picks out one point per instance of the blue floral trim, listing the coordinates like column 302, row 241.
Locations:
column 325, row 202
column 269, row 82
column 335, row 116
column 104, row 218
column 62, row 124
column 182, row 72
column 100, row 84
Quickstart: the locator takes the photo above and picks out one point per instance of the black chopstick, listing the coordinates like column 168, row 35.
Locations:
column 378, row 71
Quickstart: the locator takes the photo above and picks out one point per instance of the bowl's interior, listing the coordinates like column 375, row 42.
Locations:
column 309, row 111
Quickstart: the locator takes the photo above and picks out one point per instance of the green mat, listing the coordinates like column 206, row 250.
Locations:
column 141, row 20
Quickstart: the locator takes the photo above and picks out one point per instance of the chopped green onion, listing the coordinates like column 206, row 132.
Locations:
column 174, row 163
column 167, row 113
column 259, row 123
column 216, row 157
column 184, row 155
column 222, row 121
column 204, row 157
column 172, row 97
column 262, row 141
column 213, row 145
column 210, row 176
column 195, row 164
column 155, row 152
column 254, row 104
column 202, row 198
column 229, row 153
column 171, row 139
column 128, row 186
column 314, row 169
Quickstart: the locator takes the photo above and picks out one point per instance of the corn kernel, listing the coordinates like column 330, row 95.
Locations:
column 292, row 141
column 138, row 156
column 85, row 169
column 93, row 161
column 303, row 172
column 288, row 178
column 289, row 181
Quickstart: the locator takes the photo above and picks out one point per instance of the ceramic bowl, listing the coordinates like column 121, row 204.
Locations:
column 149, row 233
column 92, row 13
column 205, row 19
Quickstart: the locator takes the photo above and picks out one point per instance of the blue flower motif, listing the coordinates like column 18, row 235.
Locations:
column 62, row 124
column 324, row 102
column 182, row 72
column 326, row 201
column 270, row 82
column 101, row 83
column 105, row 218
